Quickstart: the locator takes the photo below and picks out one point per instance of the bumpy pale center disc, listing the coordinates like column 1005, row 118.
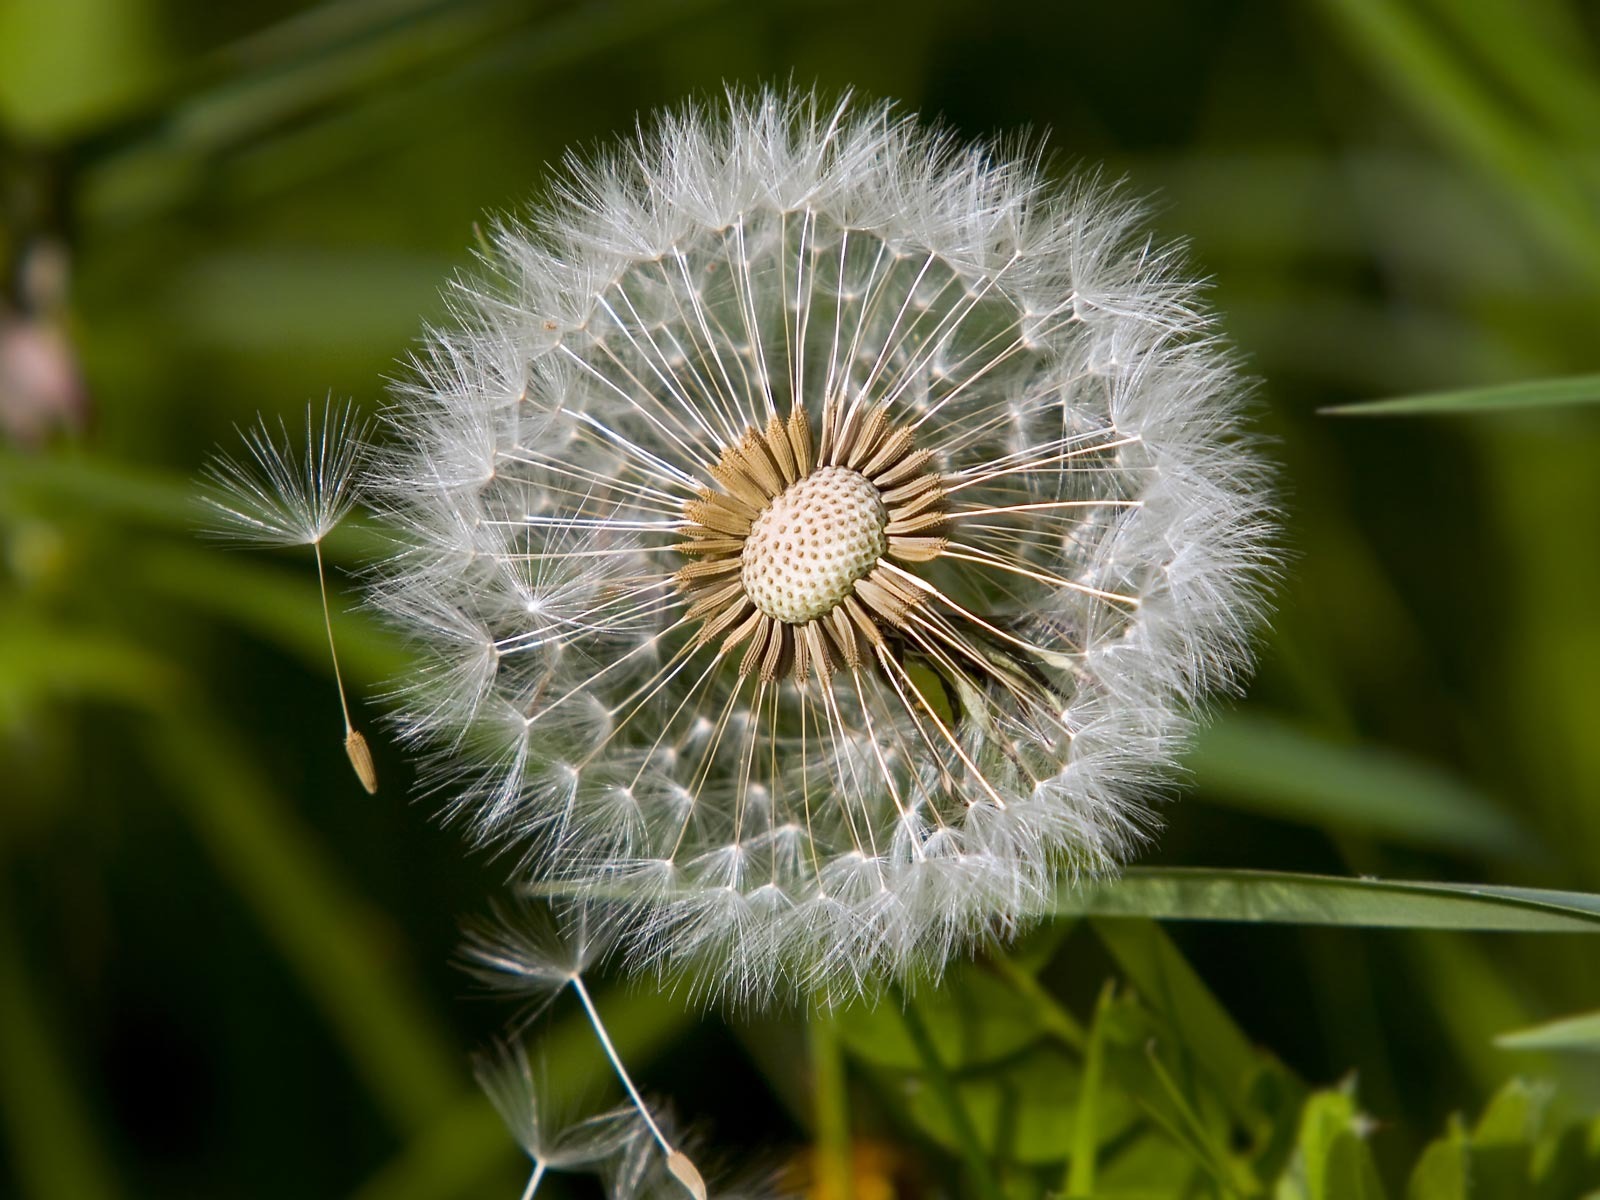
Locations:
column 809, row 546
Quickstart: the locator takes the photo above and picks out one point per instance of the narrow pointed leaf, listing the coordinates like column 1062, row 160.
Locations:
column 1199, row 894
column 1540, row 393
column 1581, row 1032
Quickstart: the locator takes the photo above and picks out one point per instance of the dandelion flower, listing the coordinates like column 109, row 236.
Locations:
column 822, row 532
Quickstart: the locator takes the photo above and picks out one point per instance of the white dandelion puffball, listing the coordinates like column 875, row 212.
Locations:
column 820, row 532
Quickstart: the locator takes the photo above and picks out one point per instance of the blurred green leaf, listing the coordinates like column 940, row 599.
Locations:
column 318, row 301
column 1569, row 1033
column 1332, row 1160
column 1422, row 69
column 87, row 484
column 1266, row 765
column 1442, row 1171
column 1509, row 397
column 973, row 1018
column 44, row 661
column 100, row 485
column 335, row 943
column 1539, row 52
column 947, row 1096
column 1201, row 1027
column 67, row 63
column 1024, row 1111
column 50, row 1137
column 1201, row 894
column 279, row 604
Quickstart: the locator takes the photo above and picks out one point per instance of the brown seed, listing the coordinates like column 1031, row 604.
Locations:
column 360, row 756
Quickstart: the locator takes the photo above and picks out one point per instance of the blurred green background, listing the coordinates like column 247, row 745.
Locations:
column 224, row 971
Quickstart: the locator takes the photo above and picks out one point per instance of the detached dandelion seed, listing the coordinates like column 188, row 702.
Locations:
column 525, row 955
column 274, row 497
column 509, row 1080
column 823, row 531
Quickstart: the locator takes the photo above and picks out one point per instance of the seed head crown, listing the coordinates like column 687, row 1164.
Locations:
column 823, row 532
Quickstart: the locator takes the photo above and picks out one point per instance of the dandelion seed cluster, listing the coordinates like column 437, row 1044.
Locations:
column 820, row 532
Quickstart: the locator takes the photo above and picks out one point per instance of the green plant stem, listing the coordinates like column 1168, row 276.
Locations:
column 830, row 1106
column 51, row 1143
column 944, row 1087
column 1081, row 1164
column 1052, row 1014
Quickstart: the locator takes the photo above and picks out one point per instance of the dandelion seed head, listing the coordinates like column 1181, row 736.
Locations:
column 822, row 532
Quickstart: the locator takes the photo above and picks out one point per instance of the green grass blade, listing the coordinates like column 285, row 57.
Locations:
column 1581, row 1032
column 1266, row 765
column 1412, row 59
column 1081, row 1163
column 1280, row 897
column 1507, row 397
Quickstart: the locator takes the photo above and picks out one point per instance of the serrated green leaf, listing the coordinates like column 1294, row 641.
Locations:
column 1147, row 1165
column 1266, row 765
column 1543, row 393
column 1442, row 1171
column 1331, row 1160
column 1503, row 1140
column 1202, row 894
column 1512, row 1117
column 1581, row 1032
